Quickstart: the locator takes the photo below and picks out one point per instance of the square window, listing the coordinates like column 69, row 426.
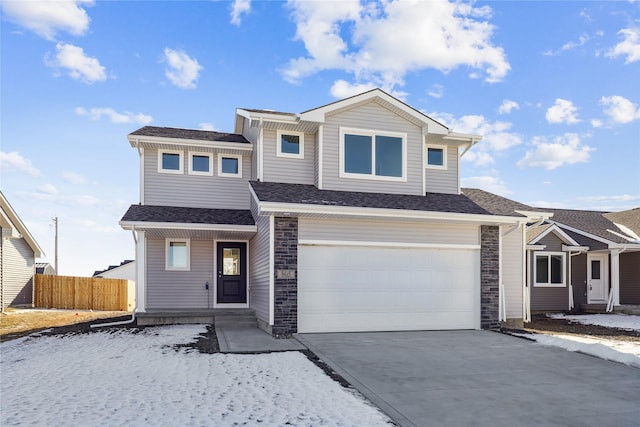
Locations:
column 200, row 164
column 230, row 165
column 170, row 161
column 177, row 255
column 290, row 144
column 436, row 157
column 372, row 155
column 549, row 269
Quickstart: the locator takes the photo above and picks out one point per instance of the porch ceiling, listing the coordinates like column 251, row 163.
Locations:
column 155, row 233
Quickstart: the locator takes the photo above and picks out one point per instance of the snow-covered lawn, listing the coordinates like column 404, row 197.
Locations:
column 627, row 352
column 136, row 378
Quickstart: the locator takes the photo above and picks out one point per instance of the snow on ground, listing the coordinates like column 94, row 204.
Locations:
column 622, row 321
column 135, row 378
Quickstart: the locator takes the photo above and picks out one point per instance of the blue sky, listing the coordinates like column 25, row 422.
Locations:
column 554, row 87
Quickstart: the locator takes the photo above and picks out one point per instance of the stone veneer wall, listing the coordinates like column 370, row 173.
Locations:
column 285, row 267
column 489, row 277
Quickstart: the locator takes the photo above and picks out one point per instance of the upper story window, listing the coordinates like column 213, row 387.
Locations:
column 170, row 161
column 200, row 163
column 436, row 156
column 230, row 165
column 373, row 155
column 549, row 269
column 290, row 144
column 177, row 254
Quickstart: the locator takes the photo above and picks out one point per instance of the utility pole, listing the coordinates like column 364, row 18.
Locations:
column 55, row 221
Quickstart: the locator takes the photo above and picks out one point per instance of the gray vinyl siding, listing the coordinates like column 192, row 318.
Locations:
column 316, row 163
column 387, row 231
column 259, row 264
column 579, row 279
column 444, row 181
column 288, row 170
column 252, row 136
column 166, row 189
column 180, row 289
column 630, row 278
column 18, row 268
column 512, row 268
column 371, row 116
column 549, row 298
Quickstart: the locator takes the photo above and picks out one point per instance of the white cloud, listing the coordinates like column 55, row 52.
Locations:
column 488, row 183
column 208, row 126
column 343, row 89
column 183, row 71
column 47, row 18
column 479, row 158
column 115, row 117
column 379, row 43
column 73, row 177
column 564, row 150
column 572, row 45
column 596, row 123
column 436, row 91
column 508, row 106
column 612, row 198
column 48, row 189
column 495, row 135
column 628, row 47
column 239, row 8
column 78, row 65
column 562, row 111
column 16, row 162
column 619, row 109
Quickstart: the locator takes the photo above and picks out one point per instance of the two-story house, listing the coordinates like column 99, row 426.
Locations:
column 345, row 217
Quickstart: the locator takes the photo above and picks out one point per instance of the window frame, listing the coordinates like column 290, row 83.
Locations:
column 180, row 153
column 201, row 154
column 230, row 156
column 548, row 255
column 444, row 157
column 167, row 245
column 372, row 133
column 279, row 152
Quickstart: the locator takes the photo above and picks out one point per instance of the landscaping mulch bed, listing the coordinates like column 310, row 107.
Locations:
column 543, row 324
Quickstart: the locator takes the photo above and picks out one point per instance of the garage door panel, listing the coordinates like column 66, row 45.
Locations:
column 366, row 289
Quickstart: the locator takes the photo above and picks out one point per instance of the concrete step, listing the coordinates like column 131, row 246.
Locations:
column 235, row 317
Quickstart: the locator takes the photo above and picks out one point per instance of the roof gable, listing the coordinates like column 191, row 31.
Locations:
column 11, row 219
column 539, row 233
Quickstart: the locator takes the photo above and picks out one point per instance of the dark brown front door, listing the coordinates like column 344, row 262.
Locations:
column 232, row 272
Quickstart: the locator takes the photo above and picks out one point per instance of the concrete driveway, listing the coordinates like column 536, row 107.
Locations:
column 480, row 378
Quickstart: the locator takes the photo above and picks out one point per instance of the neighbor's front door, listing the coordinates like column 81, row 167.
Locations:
column 232, row 273
column 596, row 278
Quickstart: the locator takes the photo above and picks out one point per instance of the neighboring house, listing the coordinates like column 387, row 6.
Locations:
column 18, row 251
column 126, row 270
column 45, row 268
column 575, row 259
column 346, row 217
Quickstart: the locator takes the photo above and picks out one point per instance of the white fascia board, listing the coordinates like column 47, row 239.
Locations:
column 558, row 232
column 566, row 248
column 536, row 247
column 269, row 117
column 301, row 209
column 145, row 225
column 462, row 137
column 586, row 234
column 189, row 142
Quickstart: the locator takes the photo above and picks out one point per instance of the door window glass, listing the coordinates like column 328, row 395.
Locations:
column 231, row 262
column 595, row 269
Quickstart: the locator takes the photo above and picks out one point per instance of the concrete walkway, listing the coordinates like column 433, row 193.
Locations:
column 251, row 339
column 480, row 378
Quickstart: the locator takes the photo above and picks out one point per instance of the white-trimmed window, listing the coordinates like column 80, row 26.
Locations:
column 549, row 270
column 290, row 144
column 436, row 157
column 230, row 165
column 366, row 154
column 170, row 161
column 200, row 163
column 178, row 256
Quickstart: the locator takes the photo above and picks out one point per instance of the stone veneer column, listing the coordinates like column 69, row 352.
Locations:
column 285, row 268
column 489, row 277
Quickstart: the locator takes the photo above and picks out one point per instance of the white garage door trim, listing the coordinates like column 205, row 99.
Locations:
column 335, row 297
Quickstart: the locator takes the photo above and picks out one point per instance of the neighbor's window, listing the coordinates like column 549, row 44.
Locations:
column 436, row 157
column 177, row 254
column 290, row 144
column 549, row 269
column 200, row 164
column 372, row 154
column 170, row 161
column 230, row 165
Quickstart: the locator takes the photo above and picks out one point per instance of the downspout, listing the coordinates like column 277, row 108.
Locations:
column 135, row 308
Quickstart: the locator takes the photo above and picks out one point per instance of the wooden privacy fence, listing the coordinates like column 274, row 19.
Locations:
column 83, row 293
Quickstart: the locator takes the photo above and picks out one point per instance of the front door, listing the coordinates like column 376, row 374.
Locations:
column 232, row 273
column 596, row 278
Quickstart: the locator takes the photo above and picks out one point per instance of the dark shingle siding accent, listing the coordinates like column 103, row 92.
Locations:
column 193, row 134
column 310, row 195
column 174, row 214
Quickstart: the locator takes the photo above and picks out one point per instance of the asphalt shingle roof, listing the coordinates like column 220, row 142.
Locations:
column 629, row 218
column 495, row 204
column 175, row 214
column 593, row 222
column 194, row 134
column 310, row 195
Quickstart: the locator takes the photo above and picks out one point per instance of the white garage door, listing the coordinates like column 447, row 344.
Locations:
column 349, row 289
